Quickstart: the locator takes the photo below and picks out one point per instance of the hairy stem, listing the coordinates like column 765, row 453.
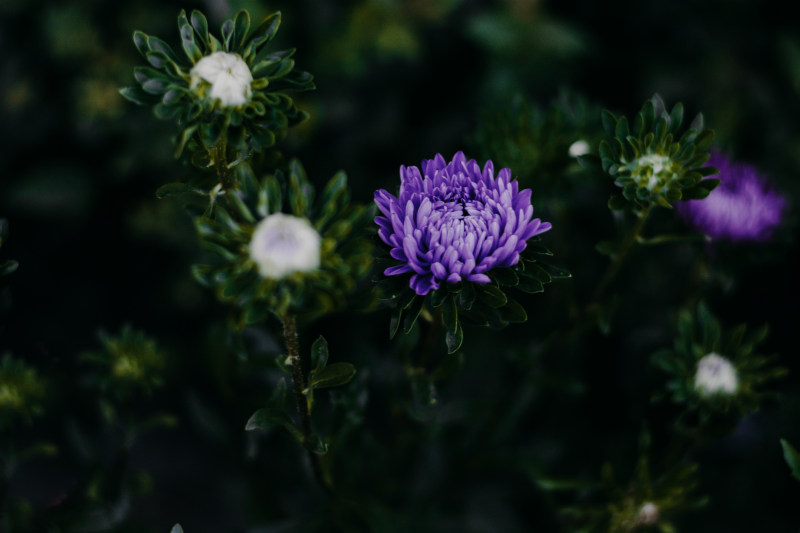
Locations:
column 292, row 346
column 219, row 156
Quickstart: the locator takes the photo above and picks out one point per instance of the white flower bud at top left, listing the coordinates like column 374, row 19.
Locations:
column 715, row 375
column 283, row 244
column 229, row 76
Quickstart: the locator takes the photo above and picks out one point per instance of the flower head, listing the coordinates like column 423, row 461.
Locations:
column 283, row 244
column 226, row 84
column 306, row 260
column 454, row 222
column 228, row 76
column 742, row 208
column 707, row 381
column 654, row 163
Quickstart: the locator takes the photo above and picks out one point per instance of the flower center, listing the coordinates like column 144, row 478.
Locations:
column 653, row 171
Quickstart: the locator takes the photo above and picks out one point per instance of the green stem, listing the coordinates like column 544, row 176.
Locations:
column 219, row 156
column 293, row 348
column 619, row 259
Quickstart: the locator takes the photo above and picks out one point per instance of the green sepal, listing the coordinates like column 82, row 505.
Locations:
column 332, row 375
column 176, row 529
column 530, row 285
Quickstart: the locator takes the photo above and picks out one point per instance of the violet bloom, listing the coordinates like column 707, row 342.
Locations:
column 741, row 208
column 454, row 222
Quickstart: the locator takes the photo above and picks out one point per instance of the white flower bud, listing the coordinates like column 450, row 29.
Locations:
column 648, row 514
column 283, row 244
column 578, row 148
column 715, row 375
column 229, row 76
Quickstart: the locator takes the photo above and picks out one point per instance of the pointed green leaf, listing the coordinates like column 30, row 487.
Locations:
column 241, row 25
column 200, row 25
column 267, row 418
column 7, row 267
column 490, row 294
column 514, row 312
column 792, row 458
column 171, row 189
column 319, row 354
column 176, row 529
column 450, row 314
column 454, row 340
column 332, row 375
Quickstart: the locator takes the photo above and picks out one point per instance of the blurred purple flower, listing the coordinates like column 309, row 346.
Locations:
column 742, row 208
column 455, row 222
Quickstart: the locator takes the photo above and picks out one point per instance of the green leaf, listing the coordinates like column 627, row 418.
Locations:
column 454, row 340
column 319, row 354
column 530, row 285
column 7, row 267
column 491, row 295
column 450, row 314
column 792, row 458
column 200, row 25
column 467, row 296
column 514, row 312
column 137, row 95
column 267, row 418
column 266, row 30
column 190, row 47
column 176, row 529
column 171, row 189
column 332, row 376
column 241, row 25
column 414, row 309
column 505, row 276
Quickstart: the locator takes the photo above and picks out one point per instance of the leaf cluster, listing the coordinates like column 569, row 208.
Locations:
column 470, row 303
column 655, row 161
column 166, row 83
column 227, row 226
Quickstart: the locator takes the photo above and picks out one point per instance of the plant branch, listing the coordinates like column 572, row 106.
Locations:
column 292, row 346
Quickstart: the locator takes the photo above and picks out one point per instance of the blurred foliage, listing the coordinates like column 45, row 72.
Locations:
column 481, row 447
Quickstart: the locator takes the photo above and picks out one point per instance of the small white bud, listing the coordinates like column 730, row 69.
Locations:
column 578, row 148
column 648, row 514
column 715, row 375
column 283, row 244
column 229, row 76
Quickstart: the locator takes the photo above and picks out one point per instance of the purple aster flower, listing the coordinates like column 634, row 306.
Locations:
column 742, row 208
column 454, row 222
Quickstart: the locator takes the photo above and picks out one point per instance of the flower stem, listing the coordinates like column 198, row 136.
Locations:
column 619, row 258
column 292, row 346
column 219, row 156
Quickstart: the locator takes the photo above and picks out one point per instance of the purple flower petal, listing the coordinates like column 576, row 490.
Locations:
column 743, row 207
column 455, row 221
